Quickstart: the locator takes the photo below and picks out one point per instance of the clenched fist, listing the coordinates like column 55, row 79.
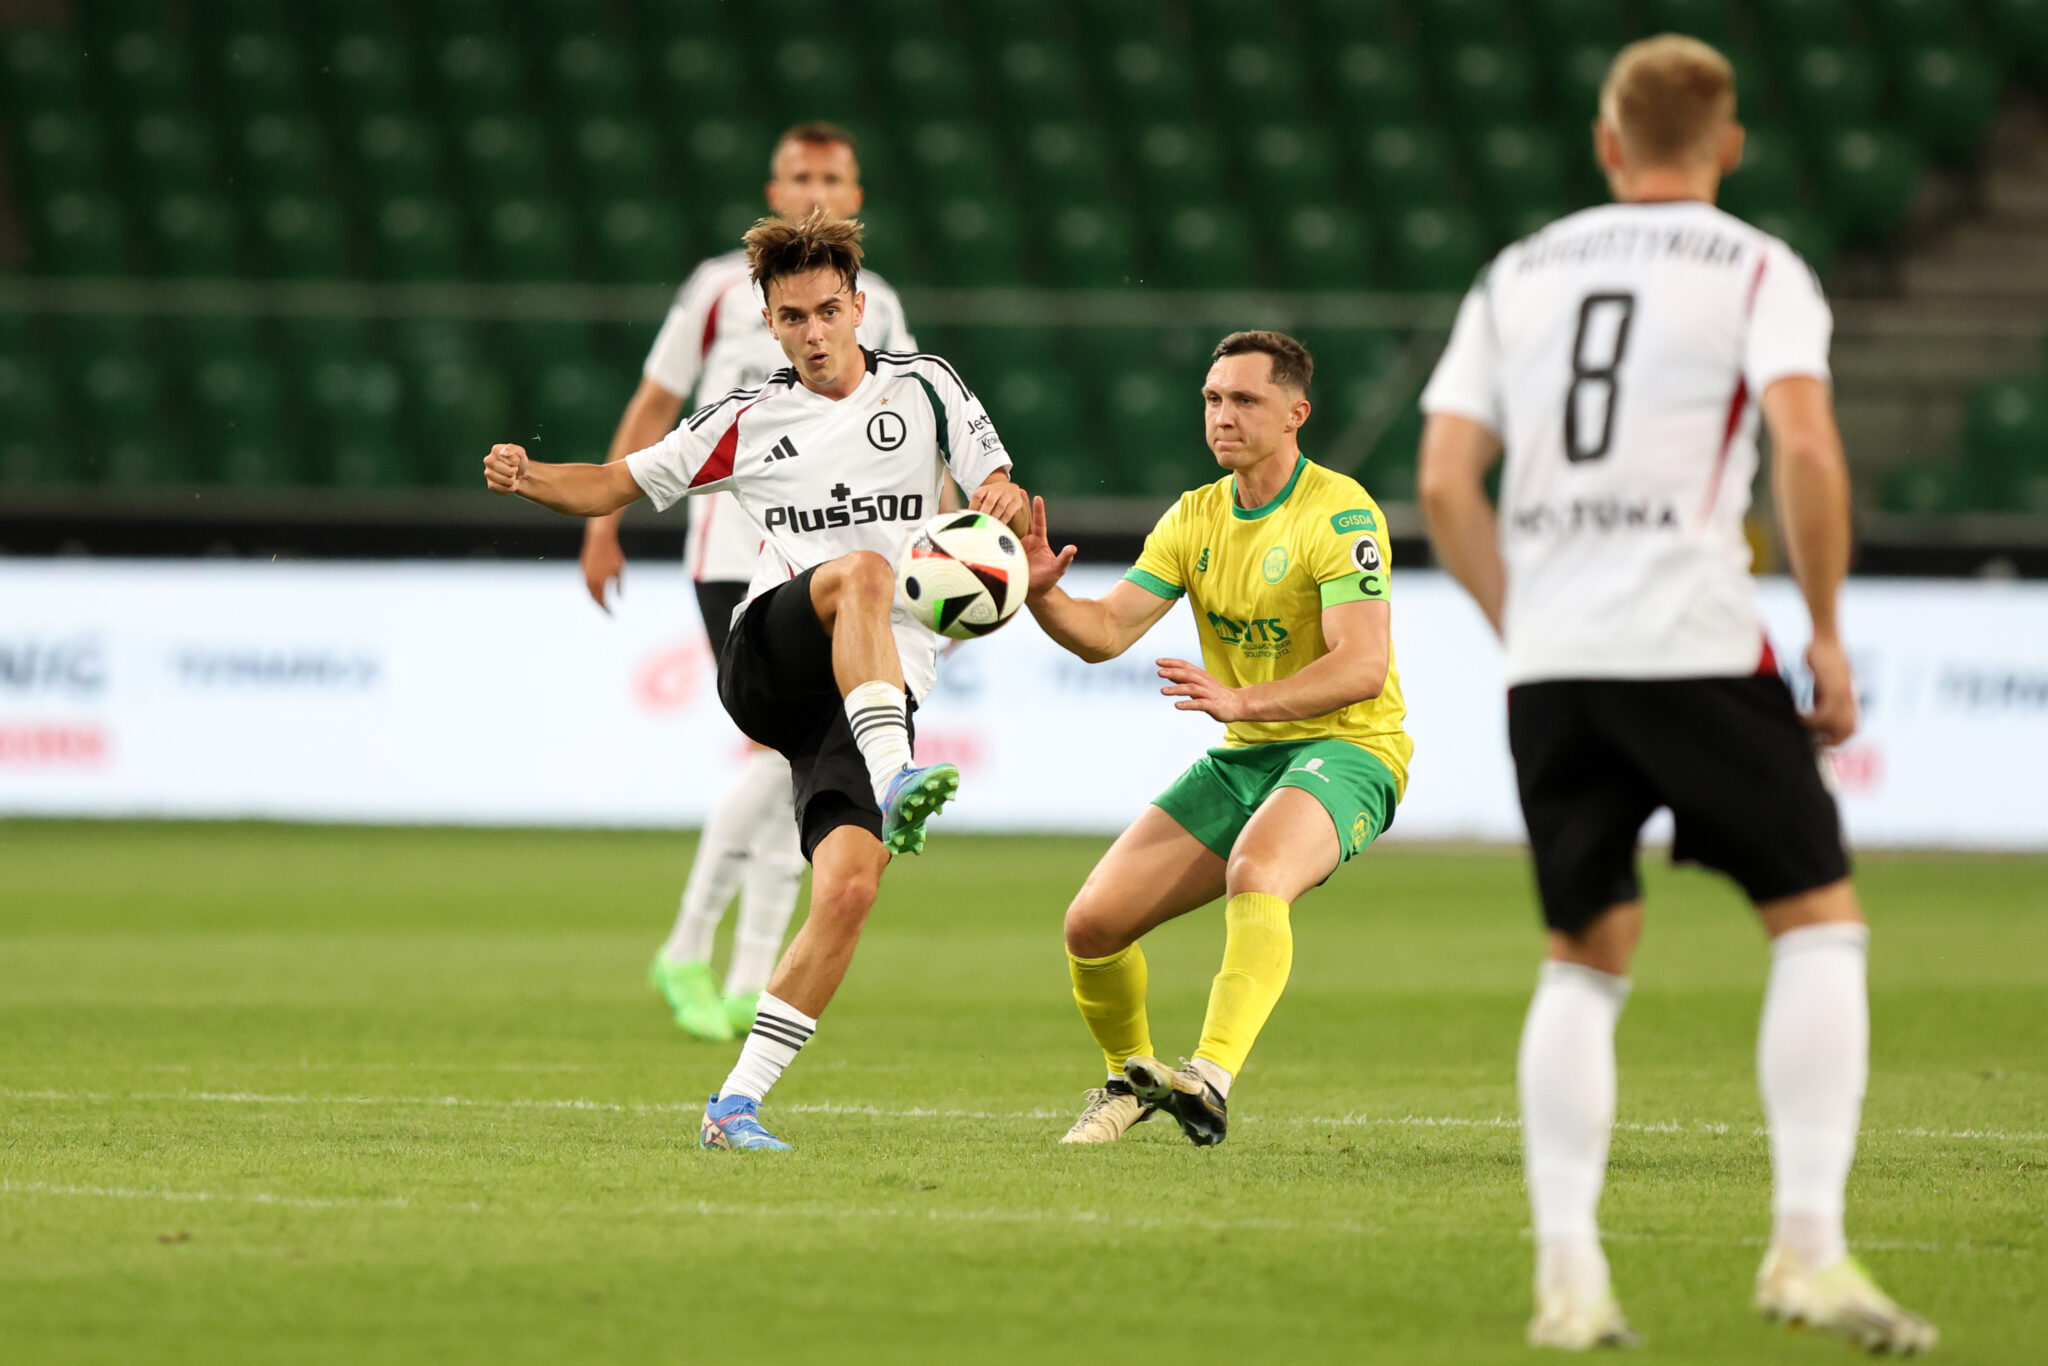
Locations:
column 504, row 468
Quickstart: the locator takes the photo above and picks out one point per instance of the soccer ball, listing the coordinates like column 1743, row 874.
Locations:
column 963, row 574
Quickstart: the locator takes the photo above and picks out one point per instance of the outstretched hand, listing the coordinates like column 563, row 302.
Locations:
column 1198, row 691
column 1047, row 567
column 504, row 468
column 1002, row 500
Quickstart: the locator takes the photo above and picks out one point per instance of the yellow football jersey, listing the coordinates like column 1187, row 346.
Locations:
column 1258, row 580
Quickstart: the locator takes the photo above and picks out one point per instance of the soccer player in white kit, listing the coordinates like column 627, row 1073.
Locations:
column 1620, row 356
column 713, row 342
column 838, row 457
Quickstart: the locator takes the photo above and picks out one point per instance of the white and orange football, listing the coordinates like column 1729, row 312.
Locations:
column 963, row 574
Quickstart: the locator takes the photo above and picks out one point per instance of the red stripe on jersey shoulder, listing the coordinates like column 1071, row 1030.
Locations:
column 719, row 466
column 1767, row 663
column 710, row 327
column 1736, row 401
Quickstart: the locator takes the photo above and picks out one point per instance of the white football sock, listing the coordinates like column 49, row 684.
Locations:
column 779, row 1034
column 775, row 874
column 1813, row 1062
column 1214, row 1075
column 722, row 855
column 1566, row 1077
column 881, row 727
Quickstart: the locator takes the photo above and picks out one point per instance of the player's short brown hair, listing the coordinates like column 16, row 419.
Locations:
column 777, row 247
column 815, row 133
column 1293, row 366
column 1666, row 96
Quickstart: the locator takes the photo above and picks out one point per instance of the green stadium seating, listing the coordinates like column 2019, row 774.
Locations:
column 1516, row 167
column 369, row 73
column 1912, row 23
column 593, row 75
column 416, row 237
column 2019, row 30
column 1037, row 408
column 457, row 408
column 311, row 339
column 301, row 236
column 29, row 396
column 1436, row 246
column 1928, row 490
column 63, row 151
column 928, row 78
column 1177, row 163
column 1832, row 87
column 1562, row 23
column 1487, row 82
column 41, row 68
column 663, row 19
column 260, row 72
column 1089, row 245
column 419, row 342
column 353, row 405
column 194, row 235
column 1375, row 83
column 1037, row 79
column 529, row 239
column 81, row 234
column 638, row 241
column 1793, row 22
column 1768, row 177
column 1349, row 20
column 155, row 457
column 1236, row 20
column 816, row 74
column 395, row 153
column 1404, row 162
column 76, row 339
column 1260, row 80
column 171, row 152
column 191, row 337
column 1020, row 19
column 479, row 73
column 1146, row 79
column 1321, row 246
column 563, row 20
column 534, row 344
column 148, row 69
column 613, row 156
column 977, row 241
column 730, row 220
column 234, row 397
column 1806, row 234
column 1205, row 246
column 282, row 153
column 238, row 16
column 703, row 76
column 949, row 158
column 575, row 407
column 1577, row 73
column 27, row 461
column 1868, row 177
column 1110, row 20
column 1065, row 162
column 1442, row 24
column 502, row 156
column 446, row 18
column 1291, row 163
column 2005, row 434
column 118, row 391
column 725, row 158
column 1712, row 20
column 1949, row 95
column 1154, row 430
column 907, row 16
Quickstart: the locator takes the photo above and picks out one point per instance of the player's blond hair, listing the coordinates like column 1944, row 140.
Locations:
column 777, row 247
column 1666, row 98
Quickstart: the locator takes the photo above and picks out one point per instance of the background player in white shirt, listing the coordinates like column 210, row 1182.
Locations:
column 713, row 342
column 838, row 457
column 1621, row 355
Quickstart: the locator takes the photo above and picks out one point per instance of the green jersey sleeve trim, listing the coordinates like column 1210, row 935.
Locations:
column 1153, row 584
column 1354, row 588
column 939, row 412
column 1253, row 514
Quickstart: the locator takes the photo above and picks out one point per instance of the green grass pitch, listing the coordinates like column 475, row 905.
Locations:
column 271, row 1093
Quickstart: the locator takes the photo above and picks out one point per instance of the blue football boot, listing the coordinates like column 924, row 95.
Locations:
column 735, row 1124
column 914, row 796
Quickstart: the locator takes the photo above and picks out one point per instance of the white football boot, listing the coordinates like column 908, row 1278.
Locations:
column 1109, row 1115
column 1843, row 1300
column 1578, row 1323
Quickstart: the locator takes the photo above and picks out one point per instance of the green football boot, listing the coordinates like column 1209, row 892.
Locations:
column 739, row 1010
column 691, row 997
column 915, row 795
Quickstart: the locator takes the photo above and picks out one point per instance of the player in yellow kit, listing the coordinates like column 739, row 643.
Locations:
column 1285, row 565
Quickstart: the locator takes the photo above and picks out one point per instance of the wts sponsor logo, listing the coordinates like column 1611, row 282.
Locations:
column 1244, row 634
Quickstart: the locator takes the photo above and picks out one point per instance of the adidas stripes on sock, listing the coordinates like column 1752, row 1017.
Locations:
column 881, row 727
column 779, row 1034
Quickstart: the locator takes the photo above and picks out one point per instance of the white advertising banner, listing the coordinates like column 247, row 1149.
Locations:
column 494, row 693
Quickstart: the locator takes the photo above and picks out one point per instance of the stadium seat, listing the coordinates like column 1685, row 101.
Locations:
column 562, row 20
column 1065, row 162
column 1444, row 24
column 907, row 16
column 1037, row 408
column 63, row 151
column 699, row 75
column 1176, row 163
column 301, row 236
column 1788, row 23
column 638, row 241
column 353, row 404
column 479, row 73
column 1436, row 247
column 575, row 407
column 977, row 241
column 816, row 73
column 456, row 409
column 118, row 391
column 394, row 153
column 168, row 152
column 502, row 156
column 1376, row 83
column 282, row 153
column 724, row 158
column 1487, row 82
column 1038, row 79
column 1368, row 21
column 194, row 235
column 1912, row 23
column 76, row 339
column 41, row 68
column 929, row 78
column 1204, row 246
column 534, row 344
column 1321, row 246
column 1514, row 168
column 951, row 157
column 1928, row 490
column 1831, row 87
column 1768, row 177
column 1577, row 71
column 29, row 396
column 2005, row 434
column 593, row 75
column 1111, row 20
column 1949, row 95
column 420, row 341
column 1868, row 176
column 1259, row 80
column 148, row 69
column 2019, row 29
column 1561, row 23
column 1404, row 162
column 28, row 461
column 369, row 73
column 1291, row 163
column 1146, row 79
column 1806, row 234
column 81, row 234
column 1236, row 20
column 234, row 397
column 260, row 72
column 613, row 156
column 662, row 19
column 452, row 18
column 153, row 457
column 731, row 218
column 1089, row 245
column 416, row 237
column 1711, row 20
column 529, row 238
column 1155, row 434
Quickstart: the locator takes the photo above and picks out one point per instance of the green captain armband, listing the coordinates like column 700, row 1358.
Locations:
column 1153, row 584
column 1368, row 587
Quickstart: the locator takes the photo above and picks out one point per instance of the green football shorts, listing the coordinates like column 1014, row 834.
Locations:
column 1219, row 793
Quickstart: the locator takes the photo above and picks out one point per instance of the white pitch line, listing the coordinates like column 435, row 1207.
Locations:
column 1698, row 1127
column 201, row 1197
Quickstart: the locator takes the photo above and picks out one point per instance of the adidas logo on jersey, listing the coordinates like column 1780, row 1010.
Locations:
column 784, row 449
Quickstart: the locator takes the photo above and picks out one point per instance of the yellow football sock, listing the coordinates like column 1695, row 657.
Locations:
column 1111, row 994
column 1258, row 952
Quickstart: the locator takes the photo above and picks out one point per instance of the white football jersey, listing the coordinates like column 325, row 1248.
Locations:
column 825, row 477
column 1620, row 354
column 713, row 341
